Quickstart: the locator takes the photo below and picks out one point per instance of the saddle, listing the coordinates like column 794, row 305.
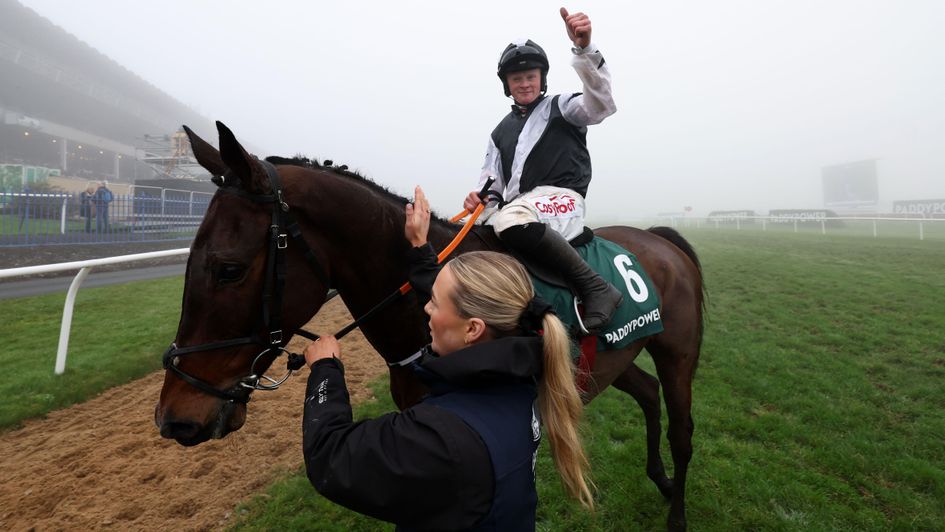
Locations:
column 637, row 317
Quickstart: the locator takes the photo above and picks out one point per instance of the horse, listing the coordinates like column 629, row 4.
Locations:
column 278, row 237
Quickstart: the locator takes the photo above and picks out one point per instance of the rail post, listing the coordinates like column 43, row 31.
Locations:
column 66, row 326
column 84, row 267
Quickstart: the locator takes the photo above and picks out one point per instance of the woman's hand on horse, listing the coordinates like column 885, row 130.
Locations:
column 472, row 201
column 324, row 347
column 418, row 219
column 579, row 28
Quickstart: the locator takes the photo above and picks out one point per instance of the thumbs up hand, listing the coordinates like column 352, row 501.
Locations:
column 578, row 26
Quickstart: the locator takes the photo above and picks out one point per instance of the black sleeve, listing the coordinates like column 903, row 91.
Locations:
column 422, row 468
column 423, row 270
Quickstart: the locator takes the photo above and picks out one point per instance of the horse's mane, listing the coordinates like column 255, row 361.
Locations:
column 342, row 170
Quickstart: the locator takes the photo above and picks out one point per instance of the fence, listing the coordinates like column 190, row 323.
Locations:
column 84, row 268
column 147, row 214
column 150, row 214
column 921, row 228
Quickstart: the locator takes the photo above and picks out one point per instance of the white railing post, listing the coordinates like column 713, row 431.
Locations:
column 66, row 327
column 921, row 232
column 874, row 228
column 84, row 266
column 823, row 226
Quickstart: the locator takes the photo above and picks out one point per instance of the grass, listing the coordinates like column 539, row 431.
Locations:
column 818, row 402
column 115, row 339
column 37, row 231
column 10, row 225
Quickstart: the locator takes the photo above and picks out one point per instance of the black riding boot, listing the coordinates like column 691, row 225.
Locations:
column 600, row 298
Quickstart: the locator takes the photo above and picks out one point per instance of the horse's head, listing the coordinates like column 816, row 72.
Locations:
column 246, row 290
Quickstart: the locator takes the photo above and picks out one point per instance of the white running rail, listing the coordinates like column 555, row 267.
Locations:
column 740, row 222
column 84, row 266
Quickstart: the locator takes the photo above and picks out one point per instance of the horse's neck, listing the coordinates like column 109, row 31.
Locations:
column 360, row 234
column 360, row 223
column 341, row 207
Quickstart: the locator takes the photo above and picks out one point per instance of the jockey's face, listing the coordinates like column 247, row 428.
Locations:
column 525, row 86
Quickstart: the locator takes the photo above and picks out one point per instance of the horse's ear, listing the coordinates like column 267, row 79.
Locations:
column 206, row 155
column 251, row 175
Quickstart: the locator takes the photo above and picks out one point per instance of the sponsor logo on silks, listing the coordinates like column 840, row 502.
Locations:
column 620, row 333
column 554, row 206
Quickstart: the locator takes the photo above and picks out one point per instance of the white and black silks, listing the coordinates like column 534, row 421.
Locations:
column 545, row 142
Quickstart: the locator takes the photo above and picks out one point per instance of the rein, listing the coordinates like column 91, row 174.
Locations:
column 281, row 228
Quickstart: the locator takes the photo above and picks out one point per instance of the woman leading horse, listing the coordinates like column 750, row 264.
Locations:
column 276, row 238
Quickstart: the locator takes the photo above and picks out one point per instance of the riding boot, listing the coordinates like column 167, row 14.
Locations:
column 599, row 297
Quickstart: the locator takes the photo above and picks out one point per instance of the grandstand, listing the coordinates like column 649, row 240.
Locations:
column 71, row 115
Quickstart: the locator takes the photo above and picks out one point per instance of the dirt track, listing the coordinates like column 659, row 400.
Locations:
column 102, row 464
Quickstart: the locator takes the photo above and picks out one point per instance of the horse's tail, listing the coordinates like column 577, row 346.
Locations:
column 677, row 240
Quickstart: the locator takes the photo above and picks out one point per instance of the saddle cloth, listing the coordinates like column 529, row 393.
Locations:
column 639, row 314
column 637, row 317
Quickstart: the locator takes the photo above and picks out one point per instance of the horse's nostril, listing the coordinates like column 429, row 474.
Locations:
column 179, row 430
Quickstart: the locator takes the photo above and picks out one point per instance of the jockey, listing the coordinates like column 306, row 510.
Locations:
column 539, row 159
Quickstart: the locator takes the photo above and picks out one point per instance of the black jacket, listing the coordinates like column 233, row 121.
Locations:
column 424, row 468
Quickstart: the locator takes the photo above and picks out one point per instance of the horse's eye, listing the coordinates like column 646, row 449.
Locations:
column 229, row 273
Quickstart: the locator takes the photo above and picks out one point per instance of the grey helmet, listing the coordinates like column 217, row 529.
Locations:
column 519, row 56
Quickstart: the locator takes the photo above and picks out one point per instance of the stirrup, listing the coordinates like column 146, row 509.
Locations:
column 577, row 313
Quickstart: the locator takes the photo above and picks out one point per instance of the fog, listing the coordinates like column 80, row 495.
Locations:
column 721, row 104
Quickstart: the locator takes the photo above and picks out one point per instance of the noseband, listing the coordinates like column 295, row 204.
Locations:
column 280, row 229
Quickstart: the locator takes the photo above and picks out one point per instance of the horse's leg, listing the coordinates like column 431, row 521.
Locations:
column 675, row 366
column 645, row 389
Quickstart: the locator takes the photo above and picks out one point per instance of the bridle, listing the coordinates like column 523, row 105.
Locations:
column 282, row 226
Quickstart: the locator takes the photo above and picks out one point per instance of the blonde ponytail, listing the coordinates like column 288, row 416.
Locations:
column 560, row 405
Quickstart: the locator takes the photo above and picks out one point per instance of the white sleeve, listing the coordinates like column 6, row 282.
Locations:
column 597, row 101
column 492, row 167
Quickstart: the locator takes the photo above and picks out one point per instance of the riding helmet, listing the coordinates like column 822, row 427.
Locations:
column 519, row 56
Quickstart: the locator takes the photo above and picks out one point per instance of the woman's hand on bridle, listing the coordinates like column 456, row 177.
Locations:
column 417, row 225
column 324, row 347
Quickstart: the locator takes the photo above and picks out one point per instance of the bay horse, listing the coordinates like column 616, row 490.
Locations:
column 277, row 238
